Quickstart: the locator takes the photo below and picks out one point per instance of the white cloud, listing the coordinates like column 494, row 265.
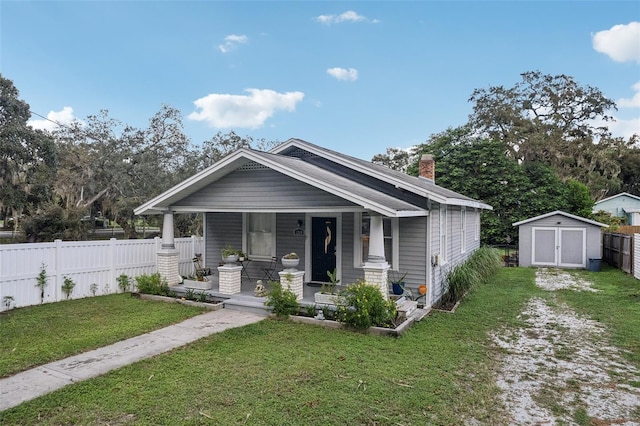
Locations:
column 243, row 111
column 625, row 128
column 350, row 74
column 348, row 16
column 61, row 117
column 633, row 102
column 621, row 43
column 231, row 42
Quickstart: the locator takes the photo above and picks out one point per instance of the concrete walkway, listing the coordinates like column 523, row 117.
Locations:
column 46, row 378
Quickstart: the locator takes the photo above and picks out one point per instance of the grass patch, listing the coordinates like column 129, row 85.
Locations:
column 616, row 305
column 40, row 334
column 279, row 372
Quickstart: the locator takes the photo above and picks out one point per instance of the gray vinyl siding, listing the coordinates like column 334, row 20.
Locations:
column 261, row 190
column 222, row 229
column 286, row 241
column 413, row 251
column 349, row 273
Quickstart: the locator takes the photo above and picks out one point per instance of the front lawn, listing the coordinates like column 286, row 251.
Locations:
column 440, row 372
column 40, row 334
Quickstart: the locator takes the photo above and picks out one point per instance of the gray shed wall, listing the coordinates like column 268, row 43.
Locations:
column 525, row 232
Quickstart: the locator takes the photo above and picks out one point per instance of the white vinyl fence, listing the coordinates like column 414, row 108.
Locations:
column 85, row 262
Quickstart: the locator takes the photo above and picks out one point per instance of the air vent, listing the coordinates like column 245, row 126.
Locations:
column 252, row 165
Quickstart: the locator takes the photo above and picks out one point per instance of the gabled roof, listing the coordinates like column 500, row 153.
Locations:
column 417, row 185
column 561, row 213
column 618, row 195
column 359, row 192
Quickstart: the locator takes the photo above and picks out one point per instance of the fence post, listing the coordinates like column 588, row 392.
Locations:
column 57, row 282
column 112, row 262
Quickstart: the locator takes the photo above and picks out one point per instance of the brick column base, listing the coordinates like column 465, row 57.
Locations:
column 293, row 280
column 230, row 279
column 377, row 274
column 167, row 265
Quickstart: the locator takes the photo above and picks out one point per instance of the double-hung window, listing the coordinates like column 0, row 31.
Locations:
column 463, row 229
column 443, row 232
column 259, row 235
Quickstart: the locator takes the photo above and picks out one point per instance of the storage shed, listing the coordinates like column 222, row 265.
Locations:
column 559, row 239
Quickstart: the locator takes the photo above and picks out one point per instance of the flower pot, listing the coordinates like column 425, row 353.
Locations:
column 228, row 260
column 398, row 288
column 290, row 263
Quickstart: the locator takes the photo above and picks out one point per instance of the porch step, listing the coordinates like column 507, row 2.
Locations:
column 247, row 306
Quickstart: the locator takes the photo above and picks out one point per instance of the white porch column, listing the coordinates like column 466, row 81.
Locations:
column 167, row 230
column 167, row 256
column 376, row 240
column 376, row 269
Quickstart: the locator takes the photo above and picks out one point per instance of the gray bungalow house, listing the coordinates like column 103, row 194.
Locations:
column 364, row 220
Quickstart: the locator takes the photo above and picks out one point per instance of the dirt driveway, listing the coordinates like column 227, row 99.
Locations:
column 559, row 368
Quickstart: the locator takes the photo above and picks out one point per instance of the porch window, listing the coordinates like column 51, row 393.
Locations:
column 361, row 243
column 259, row 235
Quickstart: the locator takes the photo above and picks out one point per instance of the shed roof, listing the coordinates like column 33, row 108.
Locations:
column 561, row 213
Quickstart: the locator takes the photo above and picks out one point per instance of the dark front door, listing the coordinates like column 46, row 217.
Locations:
column 323, row 247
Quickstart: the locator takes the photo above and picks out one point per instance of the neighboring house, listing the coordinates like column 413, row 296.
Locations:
column 621, row 205
column 559, row 239
column 333, row 210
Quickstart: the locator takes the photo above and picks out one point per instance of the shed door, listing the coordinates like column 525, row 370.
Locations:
column 559, row 247
column 572, row 247
column 544, row 251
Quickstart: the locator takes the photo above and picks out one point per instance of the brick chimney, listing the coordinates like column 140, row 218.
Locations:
column 428, row 167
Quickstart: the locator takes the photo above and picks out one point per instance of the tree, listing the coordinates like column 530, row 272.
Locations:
column 480, row 168
column 550, row 119
column 27, row 157
column 395, row 158
column 115, row 167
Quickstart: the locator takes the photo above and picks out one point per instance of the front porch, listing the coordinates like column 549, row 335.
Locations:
column 245, row 300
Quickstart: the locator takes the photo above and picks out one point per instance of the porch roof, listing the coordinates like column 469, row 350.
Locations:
column 358, row 197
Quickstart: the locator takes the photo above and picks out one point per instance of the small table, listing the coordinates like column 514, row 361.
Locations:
column 244, row 264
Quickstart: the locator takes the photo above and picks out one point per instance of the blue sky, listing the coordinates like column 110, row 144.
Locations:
column 356, row 77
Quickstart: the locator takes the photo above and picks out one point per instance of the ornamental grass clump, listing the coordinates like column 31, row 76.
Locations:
column 479, row 268
column 364, row 307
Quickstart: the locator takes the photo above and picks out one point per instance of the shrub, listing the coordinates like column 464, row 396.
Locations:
column 364, row 307
column 283, row 300
column 153, row 284
column 67, row 287
column 123, row 282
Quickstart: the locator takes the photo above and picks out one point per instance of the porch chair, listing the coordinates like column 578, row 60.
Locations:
column 270, row 270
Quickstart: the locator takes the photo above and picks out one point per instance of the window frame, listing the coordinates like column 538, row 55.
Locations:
column 443, row 232
column 245, row 236
column 463, row 229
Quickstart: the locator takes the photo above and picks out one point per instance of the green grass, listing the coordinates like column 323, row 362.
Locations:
column 39, row 334
column 278, row 372
column 616, row 305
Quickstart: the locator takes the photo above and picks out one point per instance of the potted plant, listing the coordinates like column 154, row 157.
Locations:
column 327, row 294
column 290, row 260
column 229, row 255
column 241, row 256
column 397, row 282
